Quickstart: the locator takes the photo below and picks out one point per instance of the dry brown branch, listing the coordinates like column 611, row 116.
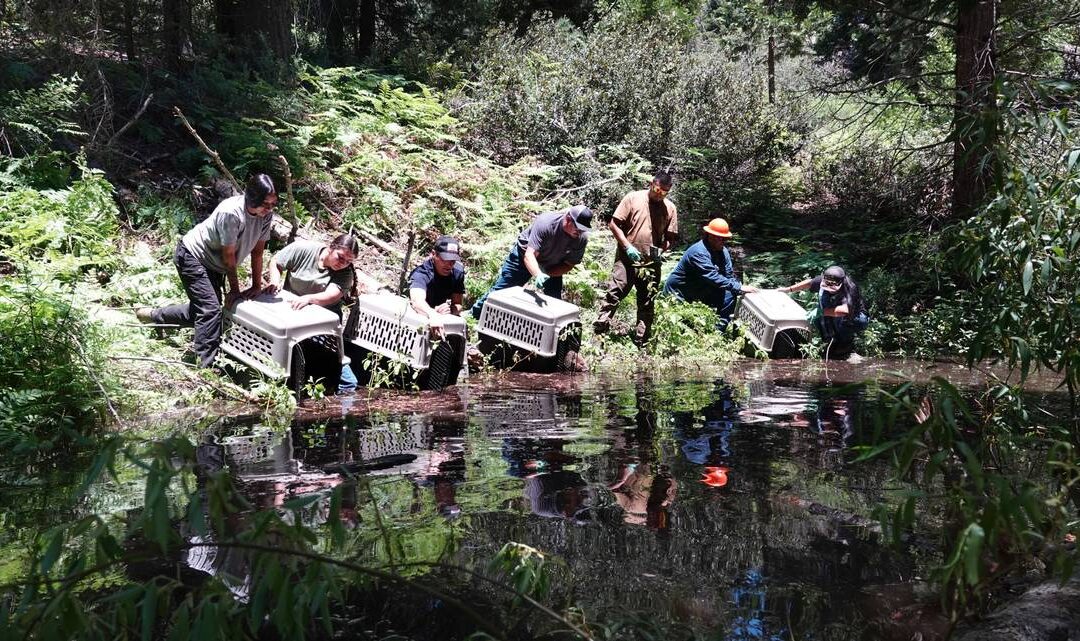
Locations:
column 138, row 114
column 226, row 389
column 287, row 172
column 210, row 152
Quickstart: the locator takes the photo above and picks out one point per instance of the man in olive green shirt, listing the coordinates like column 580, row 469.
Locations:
column 317, row 273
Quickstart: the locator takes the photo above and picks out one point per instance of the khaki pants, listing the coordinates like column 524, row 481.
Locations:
column 624, row 277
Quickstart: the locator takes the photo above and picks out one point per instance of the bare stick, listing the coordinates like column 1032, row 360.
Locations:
column 368, row 236
column 209, row 152
column 224, row 388
column 405, row 260
column 288, row 193
column 138, row 114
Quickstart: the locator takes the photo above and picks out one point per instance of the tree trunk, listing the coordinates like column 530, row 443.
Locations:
column 225, row 18
column 334, row 14
column 974, row 119
column 365, row 30
column 772, row 68
column 172, row 33
column 271, row 21
column 129, row 29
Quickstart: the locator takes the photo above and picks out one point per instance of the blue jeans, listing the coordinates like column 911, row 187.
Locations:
column 347, row 382
column 514, row 274
column 841, row 330
column 722, row 300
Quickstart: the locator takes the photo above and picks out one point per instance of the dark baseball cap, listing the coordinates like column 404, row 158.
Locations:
column 448, row 248
column 582, row 217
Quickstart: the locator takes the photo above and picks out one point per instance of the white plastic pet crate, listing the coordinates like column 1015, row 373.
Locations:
column 767, row 313
column 262, row 332
column 386, row 324
column 527, row 319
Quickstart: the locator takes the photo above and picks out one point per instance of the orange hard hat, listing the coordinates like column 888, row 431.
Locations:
column 718, row 227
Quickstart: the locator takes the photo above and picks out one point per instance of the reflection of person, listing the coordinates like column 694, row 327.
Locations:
column 841, row 311
column 644, row 223
column 706, row 275
column 437, row 285
column 645, row 493
column 208, row 256
column 559, row 493
column 834, row 417
column 548, row 248
column 319, row 274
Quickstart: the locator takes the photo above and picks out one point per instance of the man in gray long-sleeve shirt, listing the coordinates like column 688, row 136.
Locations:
column 546, row 250
column 209, row 254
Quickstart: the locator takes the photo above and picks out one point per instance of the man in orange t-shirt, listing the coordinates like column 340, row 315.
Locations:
column 644, row 224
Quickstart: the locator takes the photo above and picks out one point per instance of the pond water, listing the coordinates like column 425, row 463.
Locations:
column 701, row 507
column 723, row 506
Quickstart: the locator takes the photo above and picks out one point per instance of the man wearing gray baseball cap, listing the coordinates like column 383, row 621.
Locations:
column 546, row 250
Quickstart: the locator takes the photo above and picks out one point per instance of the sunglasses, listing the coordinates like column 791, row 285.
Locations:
column 660, row 191
column 828, row 282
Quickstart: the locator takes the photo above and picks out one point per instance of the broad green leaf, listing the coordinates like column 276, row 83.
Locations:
column 1026, row 279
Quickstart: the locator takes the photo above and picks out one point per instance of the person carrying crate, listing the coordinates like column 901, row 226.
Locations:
column 437, row 285
column 546, row 250
column 841, row 311
column 318, row 274
column 208, row 255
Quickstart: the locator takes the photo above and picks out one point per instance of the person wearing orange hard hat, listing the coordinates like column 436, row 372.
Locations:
column 705, row 273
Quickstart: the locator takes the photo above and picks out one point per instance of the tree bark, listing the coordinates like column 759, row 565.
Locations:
column 225, row 19
column 272, row 21
column 172, row 33
column 974, row 118
column 365, row 30
column 334, row 14
column 772, row 69
column 129, row 29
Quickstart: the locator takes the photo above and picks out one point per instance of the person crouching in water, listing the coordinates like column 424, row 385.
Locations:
column 706, row 275
column 318, row 274
column 841, row 311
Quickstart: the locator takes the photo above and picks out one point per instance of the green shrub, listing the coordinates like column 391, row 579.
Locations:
column 641, row 86
column 49, row 368
column 61, row 233
column 31, row 120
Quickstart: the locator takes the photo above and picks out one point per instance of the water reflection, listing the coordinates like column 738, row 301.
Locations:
column 726, row 508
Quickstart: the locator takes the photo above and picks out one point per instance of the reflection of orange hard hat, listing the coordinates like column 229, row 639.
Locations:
column 715, row 476
column 718, row 227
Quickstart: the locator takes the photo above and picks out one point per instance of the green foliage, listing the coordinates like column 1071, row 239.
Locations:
column 674, row 102
column 50, row 368
column 1022, row 252
column 32, row 120
column 60, row 233
column 527, row 569
column 990, row 461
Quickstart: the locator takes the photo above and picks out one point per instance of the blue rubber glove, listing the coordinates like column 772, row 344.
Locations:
column 540, row 279
column 633, row 254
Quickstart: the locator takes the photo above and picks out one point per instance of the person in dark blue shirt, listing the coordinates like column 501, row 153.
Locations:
column 705, row 273
column 437, row 285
